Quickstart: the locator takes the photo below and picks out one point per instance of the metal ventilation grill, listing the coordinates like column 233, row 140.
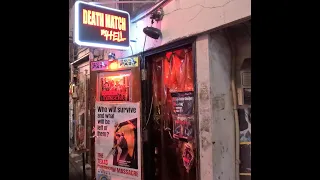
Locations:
column 246, row 79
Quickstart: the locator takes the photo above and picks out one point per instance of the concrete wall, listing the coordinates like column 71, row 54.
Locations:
column 205, row 114
column 184, row 18
column 223, row 124
column 216, row 120
column 83, row 67
column 215, row 105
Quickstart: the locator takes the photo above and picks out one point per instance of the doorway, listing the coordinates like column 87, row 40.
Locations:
column 171, row 149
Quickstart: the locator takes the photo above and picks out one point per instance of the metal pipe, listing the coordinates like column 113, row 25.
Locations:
column 84, row 167
column 235, row 104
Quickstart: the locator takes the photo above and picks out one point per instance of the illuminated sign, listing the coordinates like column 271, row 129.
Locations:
column 128, row 62
column 120, row 64
column 99, row 65
column 114, row 88
column 99, row 26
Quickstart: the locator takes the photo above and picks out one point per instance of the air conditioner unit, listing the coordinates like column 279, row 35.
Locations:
column 245, row 73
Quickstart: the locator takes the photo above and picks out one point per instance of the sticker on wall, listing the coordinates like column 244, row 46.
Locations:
column 187, row 156
column 183, row 127
column 103, row 176
column 116, row 64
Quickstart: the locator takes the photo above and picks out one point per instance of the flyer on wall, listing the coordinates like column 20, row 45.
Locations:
column 183, row 127
column 117, row 147
column 182, row 114
column 182, row 102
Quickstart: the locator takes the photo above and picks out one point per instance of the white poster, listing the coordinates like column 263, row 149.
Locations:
column 117, row 145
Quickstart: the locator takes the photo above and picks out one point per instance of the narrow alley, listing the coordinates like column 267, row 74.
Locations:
column 160, row 90
column 75, row 167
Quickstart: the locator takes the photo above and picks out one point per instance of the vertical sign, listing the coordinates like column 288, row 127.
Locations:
column 117, row 146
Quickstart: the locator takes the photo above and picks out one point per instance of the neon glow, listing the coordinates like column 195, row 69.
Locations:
column 99, row 26
column 113, row 66
column 119, row 64
column 97, row 19
column 124, row 75
column 114, row 88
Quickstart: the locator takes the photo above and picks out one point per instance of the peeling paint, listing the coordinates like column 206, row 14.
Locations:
column 204, row 141
column 204, row 92
column 205, row 123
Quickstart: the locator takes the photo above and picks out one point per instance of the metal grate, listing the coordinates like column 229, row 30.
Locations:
column 246, row 79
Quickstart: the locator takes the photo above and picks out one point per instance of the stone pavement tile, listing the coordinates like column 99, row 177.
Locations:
column 74, row 174
column 75, row 170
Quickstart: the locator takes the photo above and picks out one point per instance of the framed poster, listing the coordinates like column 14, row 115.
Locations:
column 114, row 86
column 117, row 145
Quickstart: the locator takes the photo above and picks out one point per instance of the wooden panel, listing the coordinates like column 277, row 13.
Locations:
column 93, row 94
column 136, row 84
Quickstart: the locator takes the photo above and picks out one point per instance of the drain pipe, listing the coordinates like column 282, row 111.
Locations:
column 235, row 105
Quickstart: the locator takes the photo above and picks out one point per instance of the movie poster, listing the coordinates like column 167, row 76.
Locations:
column 183, row 127
column 114, row 88
column 182, row 102
column 182, row 114
column 117, row 145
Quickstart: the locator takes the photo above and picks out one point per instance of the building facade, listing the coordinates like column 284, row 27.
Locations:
column 220, row 33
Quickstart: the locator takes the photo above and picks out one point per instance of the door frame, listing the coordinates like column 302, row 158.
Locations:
column 146, row 98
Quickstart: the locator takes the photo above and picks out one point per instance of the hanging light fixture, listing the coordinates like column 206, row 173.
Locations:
column 153, row 32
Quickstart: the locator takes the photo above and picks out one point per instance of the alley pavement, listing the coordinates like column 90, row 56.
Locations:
column 75, row 167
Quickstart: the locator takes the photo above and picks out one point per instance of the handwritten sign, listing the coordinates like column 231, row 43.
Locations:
column 99, row 26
